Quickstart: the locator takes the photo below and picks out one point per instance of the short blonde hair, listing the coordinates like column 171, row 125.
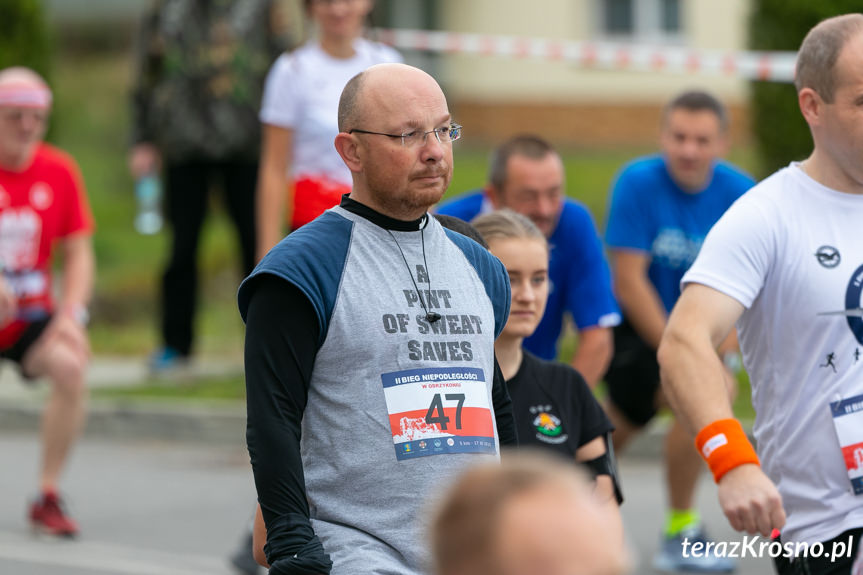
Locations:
column 464, row 527
column 506, row 224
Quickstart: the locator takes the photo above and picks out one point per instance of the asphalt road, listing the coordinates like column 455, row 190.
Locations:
column 145, row 508
column 170, row 508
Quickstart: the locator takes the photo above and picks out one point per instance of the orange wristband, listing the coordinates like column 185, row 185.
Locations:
column 724, row 446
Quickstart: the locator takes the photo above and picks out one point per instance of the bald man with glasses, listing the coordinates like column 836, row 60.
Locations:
column 370, row 370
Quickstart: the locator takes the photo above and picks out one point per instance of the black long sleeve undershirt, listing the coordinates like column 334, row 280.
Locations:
column 281, row 346
column 282, row 341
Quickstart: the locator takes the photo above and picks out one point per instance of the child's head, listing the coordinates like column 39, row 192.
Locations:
column 523, row 250
column 497, row 519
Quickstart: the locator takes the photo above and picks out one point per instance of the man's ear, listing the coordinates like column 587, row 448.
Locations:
column 493, row 195
column 347, row 145
column 810, row 105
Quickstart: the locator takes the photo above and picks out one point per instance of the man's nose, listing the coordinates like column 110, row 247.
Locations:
column 547, row 207
column 432, row 148
column 689, row 148
column 30, row 121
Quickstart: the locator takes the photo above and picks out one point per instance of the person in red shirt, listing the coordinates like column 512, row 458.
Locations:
column 42, row 206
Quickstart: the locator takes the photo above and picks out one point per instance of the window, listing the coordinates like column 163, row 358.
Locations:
column 618, row 17
column 640, row 20
column 670, row 16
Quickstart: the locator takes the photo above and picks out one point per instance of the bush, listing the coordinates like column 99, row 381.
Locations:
column 24, row 36
column 779, row 129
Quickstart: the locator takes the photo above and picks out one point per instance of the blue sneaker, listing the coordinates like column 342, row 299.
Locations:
column 166, row 360
column 686, row 553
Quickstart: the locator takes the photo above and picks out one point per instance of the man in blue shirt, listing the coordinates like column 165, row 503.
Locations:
column 661, row 208
column 526, row 176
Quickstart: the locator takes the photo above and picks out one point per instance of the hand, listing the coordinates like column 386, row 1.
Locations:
column 750, row 501
column 143, row 159
column 64, row 327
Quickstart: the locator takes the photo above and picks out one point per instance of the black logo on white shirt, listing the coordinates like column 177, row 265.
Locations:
column 828, row 256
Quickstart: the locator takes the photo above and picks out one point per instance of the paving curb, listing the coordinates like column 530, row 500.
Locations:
column 221, row 422
column 209, row 421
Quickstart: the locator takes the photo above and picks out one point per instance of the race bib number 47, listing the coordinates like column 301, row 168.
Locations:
column 434, row 411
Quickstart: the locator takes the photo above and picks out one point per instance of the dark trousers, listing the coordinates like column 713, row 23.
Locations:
column 822, row 565
column 187, row 187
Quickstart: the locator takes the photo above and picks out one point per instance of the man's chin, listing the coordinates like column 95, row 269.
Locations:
column 690, row 178
column 428, row 196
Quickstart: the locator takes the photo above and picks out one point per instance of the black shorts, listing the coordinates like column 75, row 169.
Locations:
column 633, row 376
column 28, row 337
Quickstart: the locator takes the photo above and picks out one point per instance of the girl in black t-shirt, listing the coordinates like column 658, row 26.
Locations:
column 553, row 406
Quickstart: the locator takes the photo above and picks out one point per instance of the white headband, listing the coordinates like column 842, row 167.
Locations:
column 25, row 94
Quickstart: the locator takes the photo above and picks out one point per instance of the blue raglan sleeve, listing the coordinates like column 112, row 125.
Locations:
column 496, row 281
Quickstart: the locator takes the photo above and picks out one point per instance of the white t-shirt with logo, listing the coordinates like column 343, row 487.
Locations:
column 791, row 251
column 302, row 94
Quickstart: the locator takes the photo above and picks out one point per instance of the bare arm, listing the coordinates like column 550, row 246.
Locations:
column 78, row 270
column 68, row 324
column 8, row 303
column 595, row 348
column 692, row 375
column 639, row 300
column 693, row 379
column 273, row 186
column 259, row 538
column 144, row 158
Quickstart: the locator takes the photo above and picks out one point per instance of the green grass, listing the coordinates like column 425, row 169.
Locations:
column 210, row 388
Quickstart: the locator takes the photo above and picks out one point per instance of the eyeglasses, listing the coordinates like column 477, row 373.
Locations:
column 417, row 138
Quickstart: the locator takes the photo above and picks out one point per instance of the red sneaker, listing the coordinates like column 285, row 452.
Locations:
column 47, row 516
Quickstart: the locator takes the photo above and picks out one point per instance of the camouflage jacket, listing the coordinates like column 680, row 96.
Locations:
column 201, row 66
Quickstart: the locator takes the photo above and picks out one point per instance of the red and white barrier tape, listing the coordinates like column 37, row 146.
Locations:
column 765, row 66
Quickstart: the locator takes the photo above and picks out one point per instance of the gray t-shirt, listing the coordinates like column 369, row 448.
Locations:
column 397, row 405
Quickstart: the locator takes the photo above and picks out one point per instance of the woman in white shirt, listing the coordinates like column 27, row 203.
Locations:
column 299, row 118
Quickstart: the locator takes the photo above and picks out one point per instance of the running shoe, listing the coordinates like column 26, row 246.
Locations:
column 674, row 557
column 166, row 360
column 48, row 515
